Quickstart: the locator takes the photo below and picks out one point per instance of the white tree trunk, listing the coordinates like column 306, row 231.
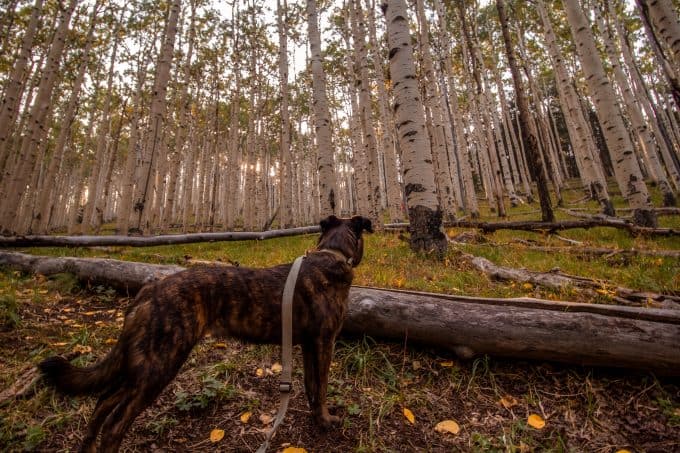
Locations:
column 425, row 214
column 152, row 144
column 17, row 178
column 626, row 168
column 324, row 136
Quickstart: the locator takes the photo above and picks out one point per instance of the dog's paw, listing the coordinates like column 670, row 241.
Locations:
column 327, row 421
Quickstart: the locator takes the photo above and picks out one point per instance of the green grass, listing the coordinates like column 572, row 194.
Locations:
column 389, row 262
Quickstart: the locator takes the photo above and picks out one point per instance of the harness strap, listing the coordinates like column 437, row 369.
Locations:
column 285, row 383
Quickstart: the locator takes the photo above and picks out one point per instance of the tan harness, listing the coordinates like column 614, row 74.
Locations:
column 286, row 383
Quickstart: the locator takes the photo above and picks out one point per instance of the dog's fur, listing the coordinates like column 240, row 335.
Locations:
column 169, row 317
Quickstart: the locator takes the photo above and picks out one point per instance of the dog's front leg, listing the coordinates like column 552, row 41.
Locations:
column 317, row 355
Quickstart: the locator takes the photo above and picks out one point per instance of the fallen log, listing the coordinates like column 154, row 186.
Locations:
column 599, row 251
column 552, row 227
column 525, row 328
column 556, row 279
column 147, row 241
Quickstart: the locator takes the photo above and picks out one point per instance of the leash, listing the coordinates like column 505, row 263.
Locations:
column 285, row 383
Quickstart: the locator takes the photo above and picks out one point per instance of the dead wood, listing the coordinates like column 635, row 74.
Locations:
column 146, row 241
column 23, row 386
column 552, row 227
column 526, row 328
column 558, row 280
column 599, row 251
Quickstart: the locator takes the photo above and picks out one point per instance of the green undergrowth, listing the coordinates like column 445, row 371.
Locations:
column 389, row 263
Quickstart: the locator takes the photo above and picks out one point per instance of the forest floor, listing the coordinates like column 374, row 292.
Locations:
column 232, row 386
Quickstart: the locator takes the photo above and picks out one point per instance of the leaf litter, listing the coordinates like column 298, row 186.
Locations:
column 482, row 404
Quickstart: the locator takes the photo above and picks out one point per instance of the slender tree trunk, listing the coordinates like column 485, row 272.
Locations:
column 370, row 149
column 285, row 211
column 47, row 188
column 182, row 126
column 392, row 185
column 128, row 189
column 324, row 137
column 157, row 119
column 644, row 135
column 529, row 135
column 642, row 95
column 15, row 84
column 653, row 13
column 438, row 134
column 95, row 206
column 626, row 168
column 36, row 129
column 425, row 215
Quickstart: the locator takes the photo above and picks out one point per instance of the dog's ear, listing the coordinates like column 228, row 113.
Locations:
column 360, row 224
column 328, row 223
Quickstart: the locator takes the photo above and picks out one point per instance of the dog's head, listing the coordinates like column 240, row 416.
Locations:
column 345, row 236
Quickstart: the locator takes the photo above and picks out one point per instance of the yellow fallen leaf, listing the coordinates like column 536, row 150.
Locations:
column 245, row 417
column 446, row 364
column 82, row 349
column 42, row 291
column 220, row 346
column 59, row 343
column 99, row 323
column 259, row 372
column 266, row 419
column 623, row 451
column 293, row 450
column 508, row 401
column 276, row 368
column 110, row 341
column 216, row 435
column 447, row 426
column 527, row 286
column 535, row 421
column 409, row 416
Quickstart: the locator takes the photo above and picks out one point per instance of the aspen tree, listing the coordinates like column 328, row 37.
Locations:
column 324, row 137
column 425, row 215
column 626, row 168
column 527, row 128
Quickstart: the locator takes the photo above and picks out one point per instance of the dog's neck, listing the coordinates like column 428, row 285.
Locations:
column 339, row 254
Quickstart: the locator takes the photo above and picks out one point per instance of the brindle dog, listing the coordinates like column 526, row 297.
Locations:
column 170, row 316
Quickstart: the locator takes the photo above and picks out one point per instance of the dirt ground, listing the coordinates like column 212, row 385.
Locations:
column 584, row 409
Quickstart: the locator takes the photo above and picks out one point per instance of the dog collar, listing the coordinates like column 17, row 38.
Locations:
column 339, row 254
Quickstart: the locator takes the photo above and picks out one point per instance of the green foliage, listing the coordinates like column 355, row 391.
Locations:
column 9, row 315
column 211, row 390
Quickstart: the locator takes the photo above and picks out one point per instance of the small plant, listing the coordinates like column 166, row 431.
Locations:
column 9, row 315
column 34, row 437
column 64, row 283
column 211, row 390
column 160, row 425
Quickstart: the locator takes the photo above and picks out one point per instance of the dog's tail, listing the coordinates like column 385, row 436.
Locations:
column 73, row 380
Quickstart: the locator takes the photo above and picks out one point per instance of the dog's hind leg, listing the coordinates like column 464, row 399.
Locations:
column 106, row 403
column 317, row 355
column 120, row 419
